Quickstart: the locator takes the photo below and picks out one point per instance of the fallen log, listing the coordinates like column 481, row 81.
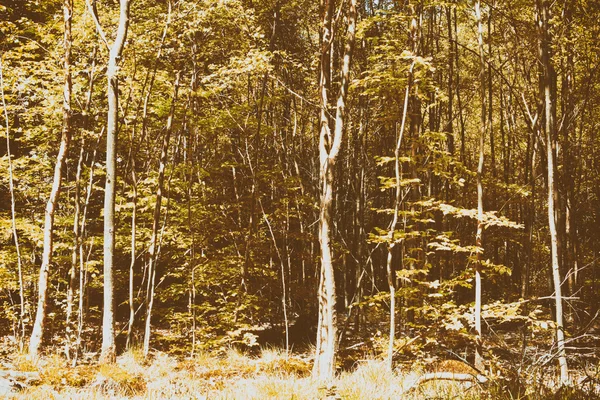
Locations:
column 12, row 381
column 449, row 370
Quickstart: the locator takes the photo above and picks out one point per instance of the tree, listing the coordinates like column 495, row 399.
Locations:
column 112, row 74
column 152, row 251
column 40, row 317
column 546, row 85
column 329, row 147
column 479, row 234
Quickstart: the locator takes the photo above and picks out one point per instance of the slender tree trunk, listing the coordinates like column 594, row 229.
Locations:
column 391, row 240
column 569, row 163
column 157, row 208
column 40, row 317
column 450, row 124
column 461, row 118
column 329, row 147
column 479, row 235
column 415, row 122
column 129, row 342
column 283, row 283
column 73, row 270
column 148, row 81
column 13, row 213
column 191, row 168
column 108, row 354
column 82, row 259
column 548, row 76
column 152, row 74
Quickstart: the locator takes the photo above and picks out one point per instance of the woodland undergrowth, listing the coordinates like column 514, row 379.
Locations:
column 273, row 374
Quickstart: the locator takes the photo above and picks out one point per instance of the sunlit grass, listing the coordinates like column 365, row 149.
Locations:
column 273, row 374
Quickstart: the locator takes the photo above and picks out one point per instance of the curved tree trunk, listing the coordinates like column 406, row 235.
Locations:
column 40, row 316
column 329, row 147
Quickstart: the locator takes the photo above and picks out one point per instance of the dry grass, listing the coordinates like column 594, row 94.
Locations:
column 234, row 375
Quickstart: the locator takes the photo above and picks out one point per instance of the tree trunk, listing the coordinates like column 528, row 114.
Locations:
column 40, row 317
column 129, row 339
column 479, row 235
column 329, row 147
column 108, row 354
column 548, row 76
column 73, row 270
column 157, row 208
column 391, row 241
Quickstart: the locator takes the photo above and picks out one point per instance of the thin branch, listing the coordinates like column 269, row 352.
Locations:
column 92, row 10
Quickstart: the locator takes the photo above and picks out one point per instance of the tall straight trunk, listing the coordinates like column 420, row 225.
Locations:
column 329, row 148
column 548, row 76
column 479, row 233
column 190, row 177
column 569, row 163
column 392, row 242
column 82, row 261
column 40, row 317
column 108, row 354
column 13, row 213
column 415, row 121
column 129, row 340
column 461, row 116
column 450, row 123
column 73, row 269
column 152, row 251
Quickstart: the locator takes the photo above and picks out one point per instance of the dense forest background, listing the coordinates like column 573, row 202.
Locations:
column 278, row 168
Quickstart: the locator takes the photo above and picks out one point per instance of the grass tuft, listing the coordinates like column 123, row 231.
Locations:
column 114, row 380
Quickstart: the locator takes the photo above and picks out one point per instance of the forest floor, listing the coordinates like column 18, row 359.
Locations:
column 234, row 375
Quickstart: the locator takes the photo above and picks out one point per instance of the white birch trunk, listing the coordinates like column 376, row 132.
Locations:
column 40, row 316
column 108, row 354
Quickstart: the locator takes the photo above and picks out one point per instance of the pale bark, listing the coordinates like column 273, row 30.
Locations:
column 157, row 210
column 108, row 354
column 129, row 342
column 190, row 177
column 40, row 317
column 391, row 241
column 329, row 147
column 324, row 367
column 547, row 78
column 479, row 233
column 73, row 269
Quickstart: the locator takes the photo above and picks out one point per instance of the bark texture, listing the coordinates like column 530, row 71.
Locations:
column 40, row 316
column 108, row 318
